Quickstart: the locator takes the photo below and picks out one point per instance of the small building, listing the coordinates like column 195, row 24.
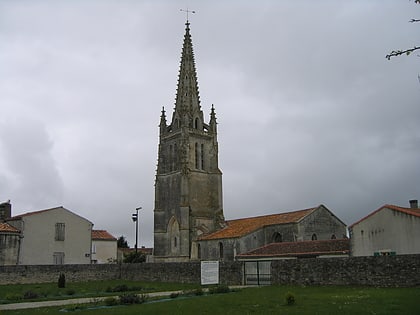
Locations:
column 52, row 236
column 104, row 247
column 244, row 235
column 389, row 230
column 304, row 249
column 9, row 244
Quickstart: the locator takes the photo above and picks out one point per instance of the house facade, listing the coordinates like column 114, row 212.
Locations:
column 104, row 247
column 52, row 236
column 390, row 230
column 244, row 235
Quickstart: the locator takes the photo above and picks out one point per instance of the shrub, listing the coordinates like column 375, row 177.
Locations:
column 198, row 292
column 111, row 301
column 70, row 292
column 133, row 298
column 174, row 295
column 30, row 295
column 13, row 297
column 221, row 288
column 61, row 280
column 290, row 298
column 134, row 257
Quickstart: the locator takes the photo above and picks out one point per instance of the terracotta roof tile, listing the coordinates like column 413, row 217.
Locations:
column 299, row 249
column 241, row 227
column 102, row 235
column 411, row 211
column 5, row 227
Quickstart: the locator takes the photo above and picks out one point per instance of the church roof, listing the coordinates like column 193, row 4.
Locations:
column 300, row 249
column 411, row 211
column 5, row 227
column 241, row 227
column 102, row 235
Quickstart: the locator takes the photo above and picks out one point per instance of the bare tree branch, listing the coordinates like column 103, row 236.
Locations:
column 401, row 52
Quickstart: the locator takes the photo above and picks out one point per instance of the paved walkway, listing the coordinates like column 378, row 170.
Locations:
column 19, row 306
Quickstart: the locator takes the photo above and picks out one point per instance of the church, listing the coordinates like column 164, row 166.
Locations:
column 189, row 222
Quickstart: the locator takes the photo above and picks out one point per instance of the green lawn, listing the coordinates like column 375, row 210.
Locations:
column 271, row 300
column 50, row 291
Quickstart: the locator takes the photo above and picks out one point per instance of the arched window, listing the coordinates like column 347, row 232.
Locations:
column 220, row 250
column 314, row 238
column 333, row 237
column 196, row 123
column 199, row 251
column 277, row 238
column 174, row 235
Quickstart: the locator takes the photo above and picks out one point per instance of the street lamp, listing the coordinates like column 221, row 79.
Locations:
column 135, row 217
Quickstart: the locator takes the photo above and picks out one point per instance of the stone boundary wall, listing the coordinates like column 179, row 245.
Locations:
column 230, row 272
column 382, row 271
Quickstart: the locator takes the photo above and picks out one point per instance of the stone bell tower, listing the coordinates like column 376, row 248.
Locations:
column 188, row 185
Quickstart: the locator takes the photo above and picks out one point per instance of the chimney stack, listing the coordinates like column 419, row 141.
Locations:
column 414, row 204
column 5, row 210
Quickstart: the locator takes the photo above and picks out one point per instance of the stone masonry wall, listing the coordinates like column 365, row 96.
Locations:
column 230, row 272
column 383, row 271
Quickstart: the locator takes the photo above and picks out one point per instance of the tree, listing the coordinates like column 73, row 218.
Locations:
column 405, row 51
column 122, row 242
column 133, row 258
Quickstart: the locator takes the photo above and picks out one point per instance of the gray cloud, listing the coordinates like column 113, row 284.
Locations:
column 309, row 109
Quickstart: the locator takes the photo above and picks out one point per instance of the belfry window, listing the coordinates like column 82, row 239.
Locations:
column 197, row 155
column 202, row 156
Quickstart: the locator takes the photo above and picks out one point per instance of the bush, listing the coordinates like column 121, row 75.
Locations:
column 61, row 280
column 133, row 298
column 111, row 301
column 70, row 292
column 134, row 257
column 13, row 297
column 198, row 292
column 174, row 295
column 221, row 288
column 28, row 295
column 290, row 298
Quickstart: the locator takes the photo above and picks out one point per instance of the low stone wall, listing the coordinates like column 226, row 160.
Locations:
column 383, row 271
column 230, row 272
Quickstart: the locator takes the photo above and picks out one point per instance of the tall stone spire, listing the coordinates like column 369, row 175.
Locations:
column 187, row 101
column 188, row 185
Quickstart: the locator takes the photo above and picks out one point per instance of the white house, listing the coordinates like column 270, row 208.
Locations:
column 390, row 230
column 104, row 247
column 53, row 236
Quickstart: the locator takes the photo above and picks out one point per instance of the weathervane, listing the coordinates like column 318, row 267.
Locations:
column 187, row 11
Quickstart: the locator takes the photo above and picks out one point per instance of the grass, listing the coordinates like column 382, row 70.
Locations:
column 268, row 300
column 50, row 291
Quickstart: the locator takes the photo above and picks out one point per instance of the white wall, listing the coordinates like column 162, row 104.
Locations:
column 39, row 245
column 386, row 230
column 104, row 251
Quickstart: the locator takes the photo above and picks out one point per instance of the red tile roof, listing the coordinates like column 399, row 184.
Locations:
column 241, row 227
column 300, row 249
column 5, row 227
column 27, row 214
column 411, row 211
column 102, row 235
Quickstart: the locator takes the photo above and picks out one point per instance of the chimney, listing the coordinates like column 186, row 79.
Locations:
column 5, row 210
column 414, row 204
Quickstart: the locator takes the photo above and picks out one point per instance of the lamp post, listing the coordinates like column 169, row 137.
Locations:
column 135, row 217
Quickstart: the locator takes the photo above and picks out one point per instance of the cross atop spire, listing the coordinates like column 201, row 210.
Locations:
column 187, row 11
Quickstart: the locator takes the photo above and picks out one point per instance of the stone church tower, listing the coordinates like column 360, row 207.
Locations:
column 188, row 186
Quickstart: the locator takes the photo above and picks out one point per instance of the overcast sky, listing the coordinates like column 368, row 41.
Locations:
column 309, row 110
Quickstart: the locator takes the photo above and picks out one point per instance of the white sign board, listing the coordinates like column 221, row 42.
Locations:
column 209, row 272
